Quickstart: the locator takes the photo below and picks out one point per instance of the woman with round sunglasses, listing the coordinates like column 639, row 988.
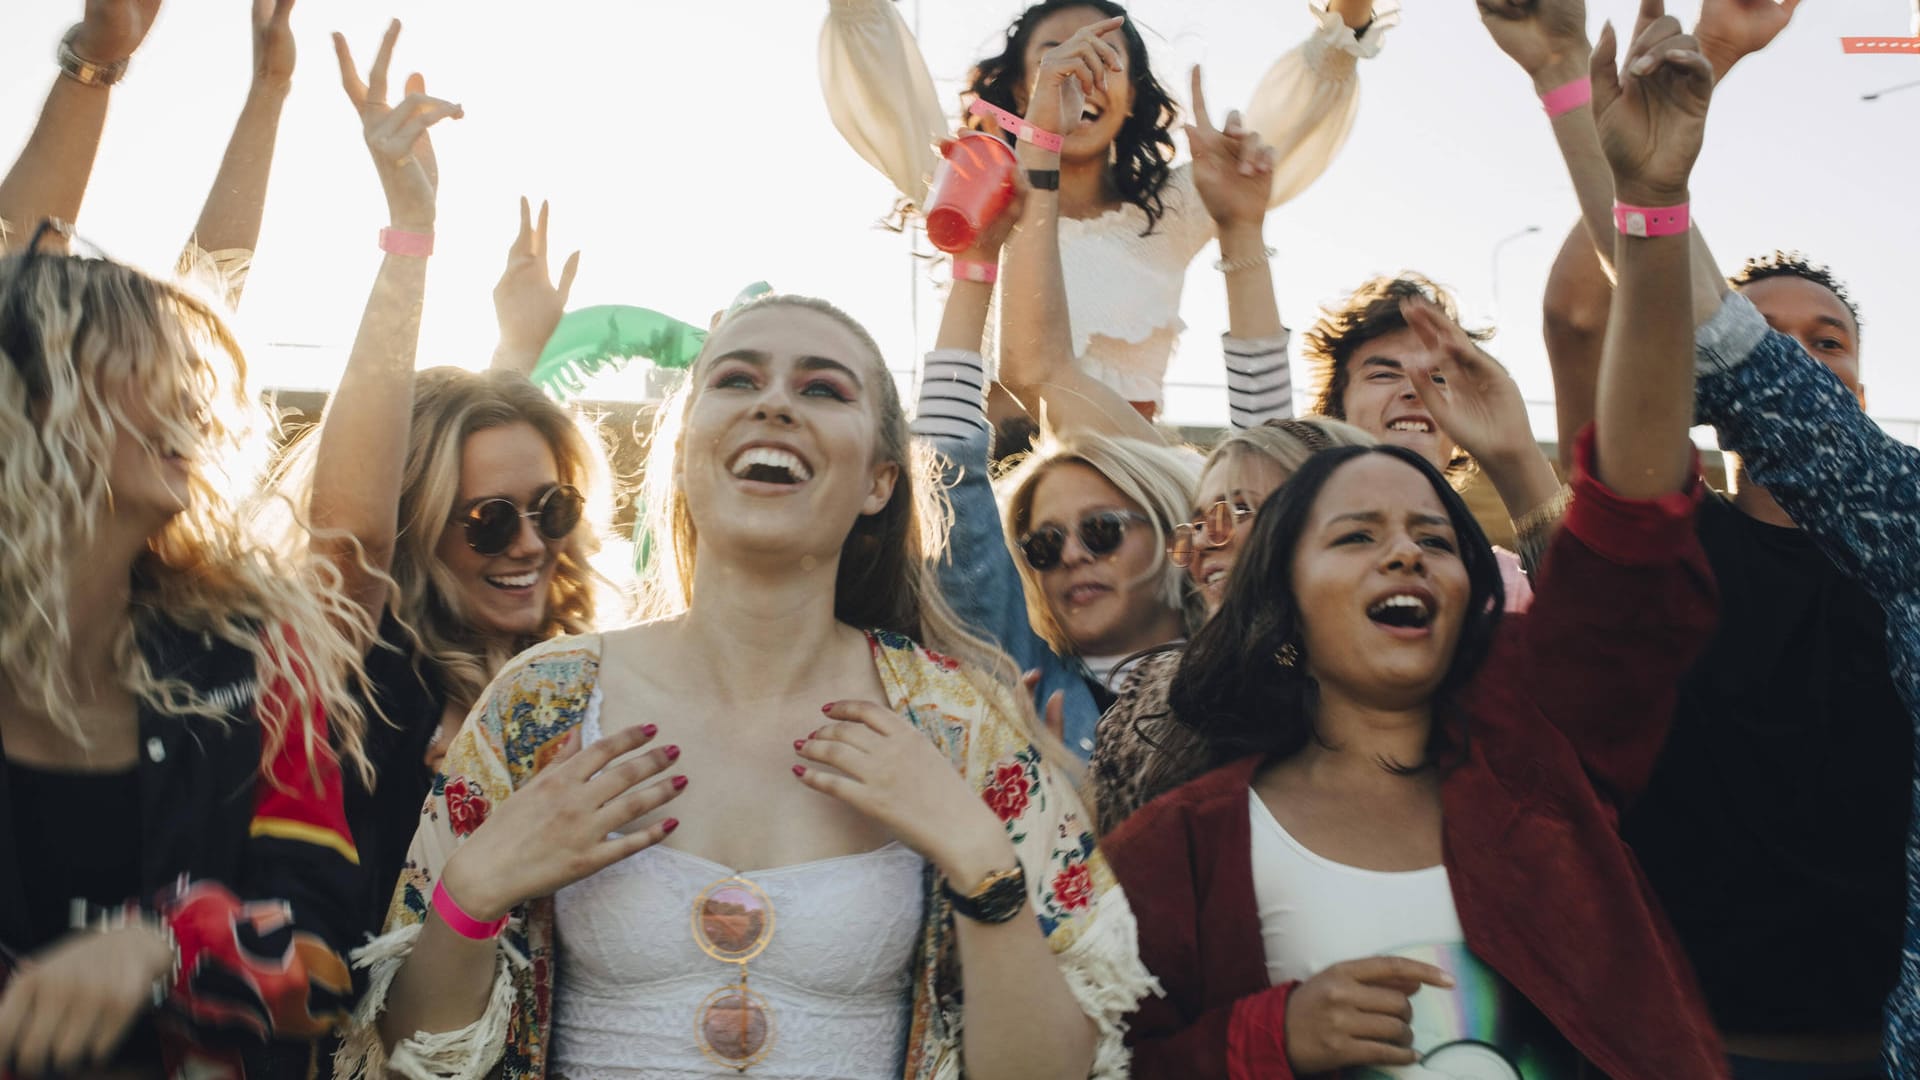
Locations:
column 451, row 501
column 1134, row 223
column 873, row 866
column 1409, row 860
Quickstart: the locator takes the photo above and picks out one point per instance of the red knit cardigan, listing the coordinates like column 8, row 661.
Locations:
column 1565, row 721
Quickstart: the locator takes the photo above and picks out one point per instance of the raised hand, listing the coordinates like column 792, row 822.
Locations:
column 1652, row 115
column 1731, row 30
column 112, row 29
column 273, row 51
column 68, row 1008
column 1232, row 168
column 1547, row 38
column 1470, row 395
column 879, row 764
column 1357, row 1013
column 397, row 134
column 526, row 301
column 1069, row 71
column 558, row 828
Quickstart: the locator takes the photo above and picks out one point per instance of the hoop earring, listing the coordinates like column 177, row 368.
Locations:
column 1287, row 656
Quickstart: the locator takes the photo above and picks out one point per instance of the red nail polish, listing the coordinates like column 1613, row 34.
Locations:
column 799, row 744
column 799, row 770
column 679, row 782
column 649, row 730
column 814, row 734
column 669, row 825
column 673, row 753
column 828, row 707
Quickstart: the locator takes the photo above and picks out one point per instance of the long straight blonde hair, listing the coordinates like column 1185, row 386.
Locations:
column 887, row 577
column 79, row 338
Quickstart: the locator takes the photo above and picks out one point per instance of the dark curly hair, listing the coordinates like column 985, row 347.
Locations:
column 1796, row 265
column 1231, row 690
column 1371, row 311
column 1143, row 148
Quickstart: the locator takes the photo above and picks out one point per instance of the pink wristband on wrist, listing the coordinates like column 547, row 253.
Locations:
column 401, row 242
column 1017, row 126
column 1567, row 97
column 459, row 921
column 1651, row 221
column 985, row 273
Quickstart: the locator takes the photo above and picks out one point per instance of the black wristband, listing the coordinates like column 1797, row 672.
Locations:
column 1044, row 179
column 998, row 899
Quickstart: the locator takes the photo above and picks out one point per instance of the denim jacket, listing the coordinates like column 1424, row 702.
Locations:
column 983, row 586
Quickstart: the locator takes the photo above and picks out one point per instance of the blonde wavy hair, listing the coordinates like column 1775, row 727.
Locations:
column 1159, row 479
column 887, row 576
column 1286, row 443
column 450, row 404
column 84, row 341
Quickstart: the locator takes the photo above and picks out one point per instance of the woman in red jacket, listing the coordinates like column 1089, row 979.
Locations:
column 1410, row 863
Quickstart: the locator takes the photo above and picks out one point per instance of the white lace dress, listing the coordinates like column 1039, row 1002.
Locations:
column 1123, row 289
column 835, row 974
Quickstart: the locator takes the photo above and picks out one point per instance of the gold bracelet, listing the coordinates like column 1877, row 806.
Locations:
column 1244, row 262
column 84, row 71
column 1545, row 516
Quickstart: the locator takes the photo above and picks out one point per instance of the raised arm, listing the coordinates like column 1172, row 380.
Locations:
column 1651, row 120
column 1305, row 105
column 526, row 302
column 879, row 93
column 1232, row 168
column 978, row 577
column 363, row 439
column 1036, row 339
column 1478, row 404
column 49, row 179
column 1573, row 320
column 229, row 225
column 1628, row 588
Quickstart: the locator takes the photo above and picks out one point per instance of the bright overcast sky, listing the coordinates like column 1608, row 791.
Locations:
column 685, row 148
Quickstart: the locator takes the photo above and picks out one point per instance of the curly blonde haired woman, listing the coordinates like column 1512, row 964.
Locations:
column 928, row 890
column 169, row 690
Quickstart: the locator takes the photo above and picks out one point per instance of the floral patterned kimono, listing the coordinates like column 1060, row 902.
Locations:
column 543, row 695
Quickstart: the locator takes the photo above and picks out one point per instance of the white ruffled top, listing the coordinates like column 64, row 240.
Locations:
column 1123, row 288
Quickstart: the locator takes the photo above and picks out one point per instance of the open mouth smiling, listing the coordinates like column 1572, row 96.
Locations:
column 770, row 465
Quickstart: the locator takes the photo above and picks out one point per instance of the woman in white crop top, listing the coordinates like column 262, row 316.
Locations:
column 1133, row 221
column 864, row 835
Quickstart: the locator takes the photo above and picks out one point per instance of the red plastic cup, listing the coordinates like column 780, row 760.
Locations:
column 972, row 186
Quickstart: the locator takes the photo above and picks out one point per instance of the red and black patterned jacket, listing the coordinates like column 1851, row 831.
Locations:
column 259, row 882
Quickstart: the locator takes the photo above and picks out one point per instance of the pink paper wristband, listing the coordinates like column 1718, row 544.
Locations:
column 985, row 273
column 1650, row 221
column 1018, row 126
column 459, row 921
column 1567, row 97
column 401, row 242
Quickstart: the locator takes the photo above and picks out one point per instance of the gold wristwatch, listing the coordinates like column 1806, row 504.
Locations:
column 84, row 71
column 997, row 899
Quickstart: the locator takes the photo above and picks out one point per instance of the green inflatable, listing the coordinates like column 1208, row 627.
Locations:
column 595, row 340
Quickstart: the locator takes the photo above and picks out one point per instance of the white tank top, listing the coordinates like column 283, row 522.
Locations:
column 836, row 973
column 1315, row 912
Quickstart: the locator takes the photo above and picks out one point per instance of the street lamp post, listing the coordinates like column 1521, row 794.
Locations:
column 1493, row 261
column 1878, row 94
